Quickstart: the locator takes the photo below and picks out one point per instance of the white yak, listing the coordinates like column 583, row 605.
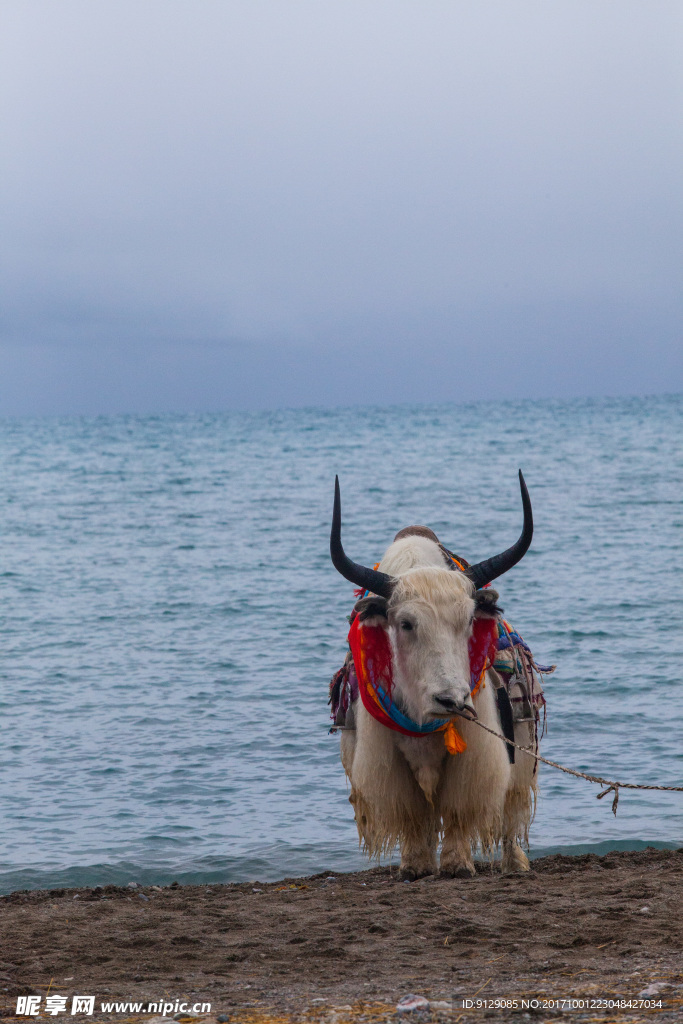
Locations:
column 410, row 789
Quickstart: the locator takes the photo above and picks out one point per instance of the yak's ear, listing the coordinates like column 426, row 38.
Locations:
column 372, row 607
column 485, row 604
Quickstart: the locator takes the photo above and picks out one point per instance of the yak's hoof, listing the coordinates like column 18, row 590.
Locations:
column 412, row 874
column 515, row 861
column 458, row 871
column 515, row 869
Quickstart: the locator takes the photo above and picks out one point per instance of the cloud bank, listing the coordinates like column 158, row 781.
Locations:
column 239, row 205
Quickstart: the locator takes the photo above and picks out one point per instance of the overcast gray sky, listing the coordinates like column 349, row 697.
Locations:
column 216, row 205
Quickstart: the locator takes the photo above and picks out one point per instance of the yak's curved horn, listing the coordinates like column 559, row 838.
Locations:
column 369, row 579
column 483, row 572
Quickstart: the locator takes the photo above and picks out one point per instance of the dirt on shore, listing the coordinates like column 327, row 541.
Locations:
column 336, row 947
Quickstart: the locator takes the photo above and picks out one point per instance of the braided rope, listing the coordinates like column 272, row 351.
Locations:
column 611, row 786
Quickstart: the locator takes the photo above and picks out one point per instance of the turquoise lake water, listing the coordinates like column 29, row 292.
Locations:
column 170, row 619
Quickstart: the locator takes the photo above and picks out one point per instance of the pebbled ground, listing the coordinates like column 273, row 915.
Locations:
column 348, row 947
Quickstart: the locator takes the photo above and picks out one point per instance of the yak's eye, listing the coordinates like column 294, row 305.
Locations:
column 406, row 624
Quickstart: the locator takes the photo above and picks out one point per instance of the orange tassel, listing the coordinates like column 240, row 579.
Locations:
column 455, row 744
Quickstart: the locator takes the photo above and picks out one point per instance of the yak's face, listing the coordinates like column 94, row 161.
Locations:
column 429, row 618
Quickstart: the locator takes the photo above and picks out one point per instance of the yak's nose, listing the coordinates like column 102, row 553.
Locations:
column 464, row 708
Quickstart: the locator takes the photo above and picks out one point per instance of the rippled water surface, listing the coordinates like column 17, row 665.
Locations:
column 169, row 621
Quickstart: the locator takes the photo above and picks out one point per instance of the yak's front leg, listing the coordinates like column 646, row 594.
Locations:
column 456, row 854
column 419, row 839
column 418, row 852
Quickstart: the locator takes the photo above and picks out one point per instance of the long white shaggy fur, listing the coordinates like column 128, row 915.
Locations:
column 410, row 790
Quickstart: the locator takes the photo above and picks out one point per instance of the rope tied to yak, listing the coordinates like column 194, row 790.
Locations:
column 489, row 650
column 612, row 787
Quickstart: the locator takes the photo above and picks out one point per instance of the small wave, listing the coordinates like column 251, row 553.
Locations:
column 268, row 864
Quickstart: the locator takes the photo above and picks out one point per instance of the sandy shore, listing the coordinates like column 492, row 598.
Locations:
column 349, row 947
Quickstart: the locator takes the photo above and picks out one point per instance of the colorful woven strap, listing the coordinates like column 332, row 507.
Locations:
column 372, row 660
